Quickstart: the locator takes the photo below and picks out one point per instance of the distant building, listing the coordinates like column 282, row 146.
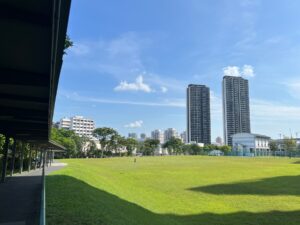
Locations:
column 198, row 114
column 183, row 137
column 219, row 141
column 169, row 133
column 281, row 145
column 133, row 135
column 158, row 135
column 80, row 125
column 247, row 144
column 65, row 123
column 143, row 136
column 236, row 109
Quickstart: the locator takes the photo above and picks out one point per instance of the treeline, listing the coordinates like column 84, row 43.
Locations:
column 25, row 156
column 108, row 142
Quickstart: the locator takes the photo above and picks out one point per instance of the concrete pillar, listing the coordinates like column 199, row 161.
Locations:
column 29, row 159
column 13, row 158
column 22, row 157
column 35, row 158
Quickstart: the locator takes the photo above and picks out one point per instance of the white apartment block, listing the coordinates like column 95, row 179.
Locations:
column 65, row 123
column 170, row 132
column 80, row 125
column 158, row 135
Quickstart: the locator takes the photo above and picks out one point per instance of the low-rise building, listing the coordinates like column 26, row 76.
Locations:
column 248, row 144
column 80, row 125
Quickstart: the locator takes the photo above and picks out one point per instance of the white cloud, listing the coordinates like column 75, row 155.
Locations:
column 135, row 124
column 231, row 71
column 274, row 111
column 121, row 58
column 247, row 71
column 163, row 89
column 177, row 103
column 138, row 85
column 293, row 87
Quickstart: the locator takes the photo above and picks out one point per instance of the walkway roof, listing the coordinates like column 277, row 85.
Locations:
column 32, row 43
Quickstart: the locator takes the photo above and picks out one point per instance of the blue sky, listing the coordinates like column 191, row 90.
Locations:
column 132, row 61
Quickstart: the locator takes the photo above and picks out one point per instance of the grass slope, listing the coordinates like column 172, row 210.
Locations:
column 187, row 190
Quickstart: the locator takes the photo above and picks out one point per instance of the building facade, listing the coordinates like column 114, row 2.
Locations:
column 133, row 135
column 65, row 123
column 236, row 109
column 247, row 144
column 143, row 137
column 169, row 133
column 158, row 135
column 80, row 125
column 183, row 137
column 219, row 141
column 198, row 114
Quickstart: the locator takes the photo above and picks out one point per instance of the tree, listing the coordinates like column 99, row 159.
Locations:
column 91, row 149
column 174, row 145
column 225, row 149
column 105, row 136
column 149, row 146
column 117, row 143
column 131, row 144
column 71, row 141
column 289, row 144
column 273, row 146
column 196, row 149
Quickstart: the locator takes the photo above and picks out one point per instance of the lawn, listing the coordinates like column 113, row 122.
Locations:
column 185, row 190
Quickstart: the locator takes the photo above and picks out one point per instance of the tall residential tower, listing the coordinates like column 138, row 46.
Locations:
column 198, row 114
column 236, row 110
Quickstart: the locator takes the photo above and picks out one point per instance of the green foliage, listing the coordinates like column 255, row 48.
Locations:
column 131, row 144
column 148, row 146
column 196, row 149
column 71, row 141
column 2, row 141
column 225, row 149
column 174, row 145
column 289, row 144
column 68, row 43
column 107, row 138
column 273, row 146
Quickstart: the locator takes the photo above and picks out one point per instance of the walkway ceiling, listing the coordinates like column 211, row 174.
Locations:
column 31, row 49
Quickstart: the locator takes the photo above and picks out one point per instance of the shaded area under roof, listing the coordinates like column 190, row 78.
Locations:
column 32, row 43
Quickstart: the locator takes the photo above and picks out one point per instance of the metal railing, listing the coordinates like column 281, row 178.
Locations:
column 43, row 196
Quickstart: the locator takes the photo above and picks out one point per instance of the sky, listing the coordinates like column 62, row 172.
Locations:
column 132, row 61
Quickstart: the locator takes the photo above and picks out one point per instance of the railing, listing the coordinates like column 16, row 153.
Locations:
column 43, row 196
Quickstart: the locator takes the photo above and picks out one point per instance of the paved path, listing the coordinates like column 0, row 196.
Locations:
column 20, row 197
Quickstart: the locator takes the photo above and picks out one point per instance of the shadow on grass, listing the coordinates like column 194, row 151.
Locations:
column 71, row 201
column 283, row 185
column 297, row 162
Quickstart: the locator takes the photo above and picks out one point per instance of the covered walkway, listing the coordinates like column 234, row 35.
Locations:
column 21, row 197
column 32, row 43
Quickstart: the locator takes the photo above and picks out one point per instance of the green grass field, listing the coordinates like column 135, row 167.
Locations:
column 186, row 190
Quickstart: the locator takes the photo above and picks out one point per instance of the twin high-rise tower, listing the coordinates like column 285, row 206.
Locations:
column 198, row 114
column 236, row 111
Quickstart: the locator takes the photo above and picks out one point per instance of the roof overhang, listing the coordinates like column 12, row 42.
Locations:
column 32, row 43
